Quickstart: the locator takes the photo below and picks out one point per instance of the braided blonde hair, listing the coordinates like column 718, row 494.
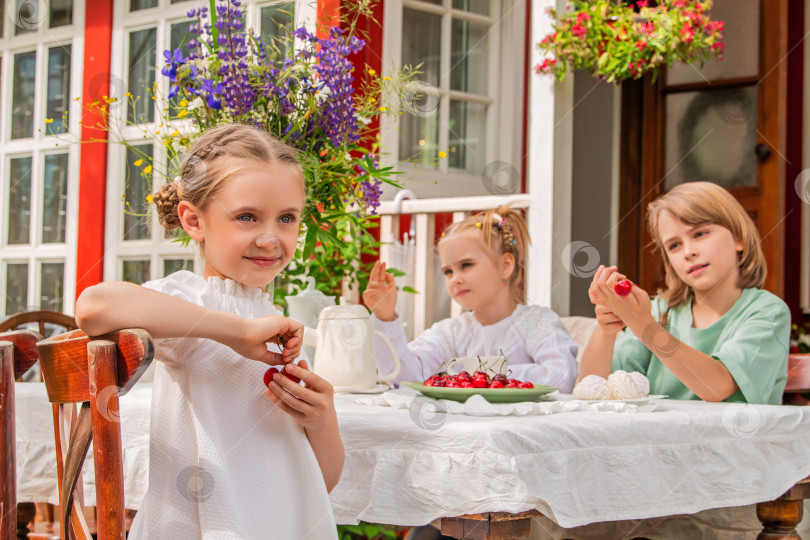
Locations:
column 503, row 230
column 205, row 167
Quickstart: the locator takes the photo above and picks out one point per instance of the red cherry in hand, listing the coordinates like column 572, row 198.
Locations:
column 623, row 287
column 268, row 375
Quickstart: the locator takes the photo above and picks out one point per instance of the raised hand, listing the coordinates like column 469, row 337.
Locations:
column 287, row 333
column 381, row 294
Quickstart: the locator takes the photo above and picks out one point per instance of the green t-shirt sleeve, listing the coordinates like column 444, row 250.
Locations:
column 629, row 353
column 756, row 352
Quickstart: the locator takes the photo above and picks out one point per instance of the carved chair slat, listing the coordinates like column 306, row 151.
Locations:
column 93, row 372
column 18, row 352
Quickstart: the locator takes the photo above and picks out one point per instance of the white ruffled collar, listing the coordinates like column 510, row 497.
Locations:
column 225, row 294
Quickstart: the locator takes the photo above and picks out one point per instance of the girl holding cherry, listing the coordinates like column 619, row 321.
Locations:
column 482, row 260
column 223, row 461
column 712, row 333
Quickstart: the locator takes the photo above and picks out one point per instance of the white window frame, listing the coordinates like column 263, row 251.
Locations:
column 35, row 253
column 156, row 249
column 506, row 41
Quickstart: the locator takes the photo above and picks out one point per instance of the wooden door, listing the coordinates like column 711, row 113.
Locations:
column 724, row 122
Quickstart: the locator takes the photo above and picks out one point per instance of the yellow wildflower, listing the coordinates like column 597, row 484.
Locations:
column 49, row 120
column 175, row 133
column 128, row 94
column 442, row 154
column 183, row 102
column 181, row 114
column 372, row 100
column 138, row 163
column 147, row 169
column 386, row 78
column 383, row 109
column 149, row 198
column 372, row 72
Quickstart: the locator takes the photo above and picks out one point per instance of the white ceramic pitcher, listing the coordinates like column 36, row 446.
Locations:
column 344, row 348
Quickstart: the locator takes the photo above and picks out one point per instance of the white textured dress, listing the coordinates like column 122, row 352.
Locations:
column 224, row 462
column 533, row 339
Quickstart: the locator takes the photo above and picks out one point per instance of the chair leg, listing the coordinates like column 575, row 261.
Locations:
column 779, row 519
column 25, row 516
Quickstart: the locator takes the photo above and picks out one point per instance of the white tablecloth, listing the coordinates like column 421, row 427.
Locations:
column 409, row 466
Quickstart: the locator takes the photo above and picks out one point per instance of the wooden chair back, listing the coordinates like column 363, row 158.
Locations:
column 91, row 373
column 41, row 318
column 18, row 352
column 797, row 388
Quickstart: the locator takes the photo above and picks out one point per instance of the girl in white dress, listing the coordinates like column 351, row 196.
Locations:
column 482, row 260
column 224, row 461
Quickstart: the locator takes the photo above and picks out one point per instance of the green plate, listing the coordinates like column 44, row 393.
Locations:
column 493, row 395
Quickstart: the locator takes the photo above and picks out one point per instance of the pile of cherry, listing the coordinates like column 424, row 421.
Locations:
column 479, row 379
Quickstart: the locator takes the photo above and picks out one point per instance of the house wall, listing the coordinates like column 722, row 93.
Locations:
column 594, row 173
column 805, row 240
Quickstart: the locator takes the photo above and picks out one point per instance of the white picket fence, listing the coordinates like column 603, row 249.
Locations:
column 423, row 216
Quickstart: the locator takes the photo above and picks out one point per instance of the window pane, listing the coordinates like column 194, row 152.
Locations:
column 136, row 220
column 467, row 136
column 276, row 24
column 142, row 46
column 419, row 137
column 19, row 201
column 468, row 71
column 170, row 266
column 58, row 88
column 421, row 43
column 22, row 106
column 61, row 13
column 54, row 206
column 178, row 1
column 27, row 17
column 475, row 6
column 136, row 271
column 16, row 287
column 711, row 135
column 135, row 5
column 51, row 290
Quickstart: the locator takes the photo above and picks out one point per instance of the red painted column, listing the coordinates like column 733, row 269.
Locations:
column 93, row 155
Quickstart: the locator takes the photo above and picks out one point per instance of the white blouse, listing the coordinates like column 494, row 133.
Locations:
column 225, row 463
column 533, row 339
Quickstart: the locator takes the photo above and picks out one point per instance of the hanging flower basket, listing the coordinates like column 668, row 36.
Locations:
column 619, row 40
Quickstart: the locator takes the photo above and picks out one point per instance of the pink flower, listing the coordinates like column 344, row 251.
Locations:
column 579, row 30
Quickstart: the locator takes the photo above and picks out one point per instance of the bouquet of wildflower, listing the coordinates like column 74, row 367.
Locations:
column 800, row 338
column 307, row 99
column 617, row 40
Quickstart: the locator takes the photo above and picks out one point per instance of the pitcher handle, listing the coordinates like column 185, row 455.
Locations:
column 395, row 371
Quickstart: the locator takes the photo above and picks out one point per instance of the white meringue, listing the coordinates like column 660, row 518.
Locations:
column 592, row 387
column 623, row 386
column 642, row 382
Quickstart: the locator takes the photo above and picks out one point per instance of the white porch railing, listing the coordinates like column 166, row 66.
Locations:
column 423, row 214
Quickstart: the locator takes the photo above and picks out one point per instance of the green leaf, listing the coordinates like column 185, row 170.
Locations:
column 409, row 290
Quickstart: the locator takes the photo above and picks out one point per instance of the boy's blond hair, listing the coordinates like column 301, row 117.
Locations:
column 700, row 203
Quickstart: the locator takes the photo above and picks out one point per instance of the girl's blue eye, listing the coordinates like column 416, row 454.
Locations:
column 673, row 246
column 448, row 272
column 287, row 218
column 245, row 217
column 701, row 233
